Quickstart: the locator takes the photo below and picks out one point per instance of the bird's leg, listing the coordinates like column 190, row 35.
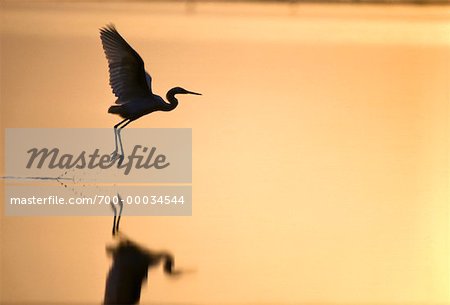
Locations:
column 120, row 212
column 120, row 139
column 114, row 153
column 114, row 221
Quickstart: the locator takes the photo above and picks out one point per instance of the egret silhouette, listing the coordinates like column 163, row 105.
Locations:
column 131, row 84
column 129, row 270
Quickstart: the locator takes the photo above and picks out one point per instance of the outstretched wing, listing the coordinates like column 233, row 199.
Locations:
column 127, row 75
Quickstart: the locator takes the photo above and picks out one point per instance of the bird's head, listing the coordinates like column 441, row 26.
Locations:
column 179, row 90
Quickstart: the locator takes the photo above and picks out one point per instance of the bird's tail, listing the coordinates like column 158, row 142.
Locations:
column 114, row 109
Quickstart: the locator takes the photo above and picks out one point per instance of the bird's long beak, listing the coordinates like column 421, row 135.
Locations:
column 190, row 92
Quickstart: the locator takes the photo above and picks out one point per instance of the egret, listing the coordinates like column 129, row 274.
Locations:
column 131, row 84
column 129, row 271
column 131, row 262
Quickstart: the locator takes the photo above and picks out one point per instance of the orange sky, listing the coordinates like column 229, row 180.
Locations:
column 320, row 150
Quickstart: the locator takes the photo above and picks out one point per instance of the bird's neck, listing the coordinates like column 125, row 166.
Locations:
column 173, row 102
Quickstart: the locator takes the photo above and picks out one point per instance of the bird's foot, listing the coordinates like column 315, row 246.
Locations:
column 115, row 155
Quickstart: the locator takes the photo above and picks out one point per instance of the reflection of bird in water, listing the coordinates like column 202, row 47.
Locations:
column 131, row 84
column 116, row 221
column 130, row 266
column 130, row 270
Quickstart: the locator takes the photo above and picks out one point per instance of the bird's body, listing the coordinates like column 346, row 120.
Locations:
column 133, row 109
column 131, row 83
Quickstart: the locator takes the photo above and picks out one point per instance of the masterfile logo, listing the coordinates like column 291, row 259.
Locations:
column 150, row 155
column 140, row 157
